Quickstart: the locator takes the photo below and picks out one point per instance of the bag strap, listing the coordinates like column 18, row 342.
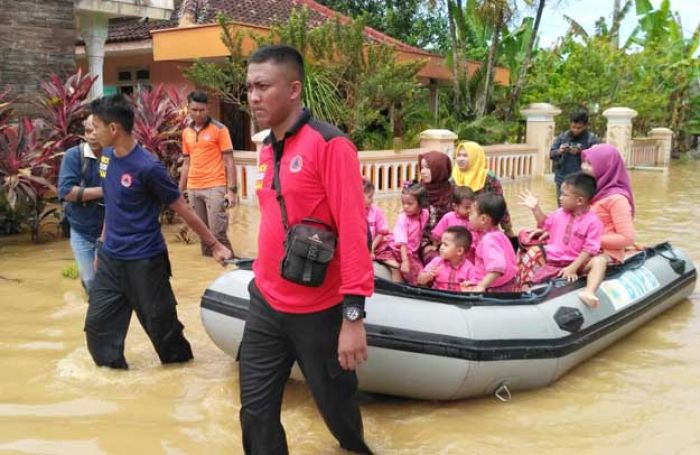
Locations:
column 276, row 182
column 83, row 164
column 278, row 191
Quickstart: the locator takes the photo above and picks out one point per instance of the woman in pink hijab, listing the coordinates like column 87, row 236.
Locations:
column 614, row 205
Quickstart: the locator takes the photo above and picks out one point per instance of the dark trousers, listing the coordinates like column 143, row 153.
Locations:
column 143, row 286
column 272, row 341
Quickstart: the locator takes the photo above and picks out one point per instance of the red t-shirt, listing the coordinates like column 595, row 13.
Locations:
column 320, row 178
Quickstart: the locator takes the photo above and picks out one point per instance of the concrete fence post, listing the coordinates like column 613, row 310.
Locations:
column 540, row 132
column 619, row 130
column 440, row 140
column 664, row 138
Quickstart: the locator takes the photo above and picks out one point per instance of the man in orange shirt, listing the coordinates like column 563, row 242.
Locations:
column 208, row 172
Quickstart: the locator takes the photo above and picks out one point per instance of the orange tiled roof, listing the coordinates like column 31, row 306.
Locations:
column 256, row 12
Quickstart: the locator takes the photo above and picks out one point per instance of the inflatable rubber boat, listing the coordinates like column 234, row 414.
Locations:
column 441, row 345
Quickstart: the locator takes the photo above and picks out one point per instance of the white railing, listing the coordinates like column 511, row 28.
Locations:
column 389, row 169
column 511, row 161
column 644, row 152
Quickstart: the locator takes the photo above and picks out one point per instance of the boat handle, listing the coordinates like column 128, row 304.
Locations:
column 503, row 393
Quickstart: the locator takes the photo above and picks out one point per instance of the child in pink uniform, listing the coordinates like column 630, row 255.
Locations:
column 449, row 270
column 408, row 233
column 462, row 200
column 376, row 222
column 573, row 231
column 494, row 262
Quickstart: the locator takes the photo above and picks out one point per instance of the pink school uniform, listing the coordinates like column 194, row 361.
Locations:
column 377, row 221
column 452, row 219
column 409, row 231
column 494, row 253
column 569, row 235
column 378, row 225
column 449, row 277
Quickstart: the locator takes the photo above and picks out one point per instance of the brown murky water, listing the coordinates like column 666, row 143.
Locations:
column 641, row 395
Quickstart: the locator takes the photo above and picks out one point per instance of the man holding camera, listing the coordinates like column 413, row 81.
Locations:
column 565, row 152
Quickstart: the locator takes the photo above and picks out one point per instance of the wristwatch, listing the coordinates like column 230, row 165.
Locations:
column 352, row 313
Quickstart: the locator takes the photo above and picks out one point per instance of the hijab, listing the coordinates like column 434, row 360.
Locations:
column 439, row 189
column 609, row 172
column 475, row 175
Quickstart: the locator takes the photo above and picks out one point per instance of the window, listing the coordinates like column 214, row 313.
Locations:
column 131, row 80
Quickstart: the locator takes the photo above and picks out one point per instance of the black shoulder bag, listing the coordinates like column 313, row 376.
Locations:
column 309, row 245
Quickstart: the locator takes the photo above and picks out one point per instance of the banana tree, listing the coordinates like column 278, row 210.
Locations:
column 660, row 33
column 515, row 92
column 496, row 13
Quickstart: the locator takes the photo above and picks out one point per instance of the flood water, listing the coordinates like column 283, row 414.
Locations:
column 641, row 395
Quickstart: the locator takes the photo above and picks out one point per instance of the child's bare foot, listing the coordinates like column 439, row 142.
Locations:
column 589, row 298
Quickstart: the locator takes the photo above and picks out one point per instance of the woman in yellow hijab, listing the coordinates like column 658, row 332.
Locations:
column 472, row 170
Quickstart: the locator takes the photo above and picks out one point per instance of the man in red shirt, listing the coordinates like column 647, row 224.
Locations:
column 319, row 327
column 208, row 172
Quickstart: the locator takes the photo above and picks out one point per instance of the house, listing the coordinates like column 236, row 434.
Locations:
column 143, row 53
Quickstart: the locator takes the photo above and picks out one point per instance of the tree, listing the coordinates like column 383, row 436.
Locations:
column 415, row 22
column 496, row 13
column 227, row 79
column 351, row 82
column 518, row 86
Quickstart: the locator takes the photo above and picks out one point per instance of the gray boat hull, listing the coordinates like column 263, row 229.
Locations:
column 444, row 346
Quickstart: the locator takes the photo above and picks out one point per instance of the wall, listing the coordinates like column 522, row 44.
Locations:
column 37, row 38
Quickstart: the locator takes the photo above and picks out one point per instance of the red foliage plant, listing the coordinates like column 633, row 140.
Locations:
column 23, row 165
column 63, row 106
column 159, row 118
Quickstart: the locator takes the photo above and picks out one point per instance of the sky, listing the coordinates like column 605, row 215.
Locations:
column 587, row 12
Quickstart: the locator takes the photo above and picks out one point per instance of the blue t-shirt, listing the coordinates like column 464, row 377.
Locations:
column 85, row 217
column 136, row 187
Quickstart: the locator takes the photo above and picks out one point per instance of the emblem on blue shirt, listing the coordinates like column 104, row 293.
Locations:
column 296, row 164
column 126, row 180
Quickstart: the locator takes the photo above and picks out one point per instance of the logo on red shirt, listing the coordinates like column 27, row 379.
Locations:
column 296, row 164
column 126, row 180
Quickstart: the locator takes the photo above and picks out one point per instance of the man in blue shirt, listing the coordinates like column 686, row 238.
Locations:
column 80, row 186
column 566, row 149
column 133, row 269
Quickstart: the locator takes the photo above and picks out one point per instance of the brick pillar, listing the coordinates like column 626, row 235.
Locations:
column 37, row 38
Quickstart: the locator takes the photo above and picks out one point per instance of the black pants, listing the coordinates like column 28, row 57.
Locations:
column 272, row 341
column 144, row 287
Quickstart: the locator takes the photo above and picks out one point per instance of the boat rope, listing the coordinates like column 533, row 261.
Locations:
column 677, row 264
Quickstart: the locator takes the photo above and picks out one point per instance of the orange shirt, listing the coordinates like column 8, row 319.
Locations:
column 204, row 147
column 615, row 212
